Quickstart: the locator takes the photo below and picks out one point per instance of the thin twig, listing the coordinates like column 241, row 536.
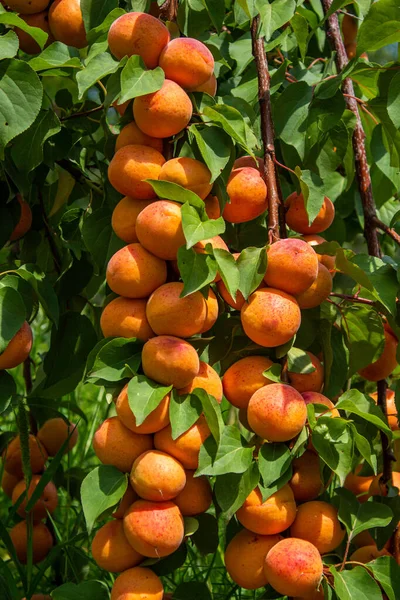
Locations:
column 396, row 545
column 353, row 298
column 346, row 553
column 50, row 237
column 391, row 232
column 284, row 167
column 83, row 114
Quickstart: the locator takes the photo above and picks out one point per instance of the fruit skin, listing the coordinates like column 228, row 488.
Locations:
column 294, row 566
column 154, row 529
column 132, row 135
column 48, row 500
column 248, row 161
column 54, row 432
column 125, row 214
column 170, row 361
column 129, row 168
column 247, row 194
column 138, row 583
column 349, row 29
column 127, row 499
column 325, row 259
column 134, row 272
column 277, row 412
column 366, row 554
column 26, row 42
column 155, row 421
column 18, row 348
column 377, row 489
column 116, row 445
column 318, row 523
column 42, row 542
column 386, row 363
column 391, row 408
column 270, row 317
column 274, row 515
column 25, row 220
column 209, row 86
column 306, row 482
column 8, row 482
column 308, row 382
column 207, row 379
column 25, row 7
column 317, row 398
column 126, row 317
column 163, row 113
column 212, row 207
column 13, row 460
column 292, row 266
column 189, row 173
column 159, row 229
column 212, row 311
column 245, row 556
column 157, row 476
column 318, row 291
column 66, row 23
column 196, row 496
column 242, row 379
column 187, row 61
column 112, row 551
column 186, row 447
column 138, row 33
column 359, row 485
column 297, row 218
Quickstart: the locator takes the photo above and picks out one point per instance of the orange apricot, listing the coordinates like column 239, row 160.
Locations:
column 125, row 214
column 378, row 489
column 386, row 363
column 155, row 421
column 297, row 217
column 126, row 317
column 212, row 311
column 157, row 476
column 308, row 382
column 54, row 432
column 12, row 456
column 318, row 291
column 325, row 259
column 121, row 108
column 66, row 23
column 349, row 28
column 154, row 529
column 163, row 113
column 292, row 266
column 116, row 445
column 196, row 496
column 242, row 379
column 209, row 86
column 245, row 556
column 270, row 317
column 274, row 515
column 26, row 42
column 138, row 583
column 247, row 194
column 277, row 412
column 317, row 522
column 111, row 550
column 131, row 166
column 359, row 485
column 18, row 348
column 187, row 446
column 317, row 398
column 391, row 408
column 170, row 361
column 134, row 272
column 212, row 207
column 189, row 173
column 318, row 594
column 187, row 61
column 8, row 482
column 306, row 482
column 248, row 161
column 42, row 542
column 366, row 554
column 27, row 7
column 127, row 499
column 159, row 229
column 132, row 135
column 47, row 502
column 206, row 379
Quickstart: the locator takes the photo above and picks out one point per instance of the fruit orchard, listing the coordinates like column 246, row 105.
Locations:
column 199, row 314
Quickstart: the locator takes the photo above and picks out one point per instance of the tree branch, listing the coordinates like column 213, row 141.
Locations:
column 169, row 10
column 353, row 298
column 391, row 232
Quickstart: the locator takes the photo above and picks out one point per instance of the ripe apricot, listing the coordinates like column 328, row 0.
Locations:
column 318, row 523
column 308, row 382
column 121, row 108
column 247, row 194
column 157, row 476
column 126, row 317
column 127, row 499
column 54, row 432
column 131, row 134
column 277, row 412
column 111, row 549
column 196, row 496
column 245, row 556
column 317, row 398
column 163, row 113
column 26, row 42
column 248, row 161
column 18, row 348
column 391, row 409
column 187, row 446
column 47, row 502
column 386, row 363
column 159, row 229
column 138, row 583
column 270, row 317
column 318, row 594
column 294, row 566
column 123, row 220
column 138, row 33
column 325, row 259
column 189, row 173
column 378, row 489
column 274, row 515
column 209, row 86
column 242, row 379
column 292, row 266
column 27, row 7
column 42, row 542
column 131, row 166
column 297, row 218
column 155, row 421
column 359, row 485
column 212, row 207
column 66, row 23
column 366, row 554
column 212, row 311
column 187, row 61
column 318, row 291
column 12, row 456
column 155, row 529
column 306, row 482
column 170, row 361
column 134, row 272
column 8, row 482
column 207, row 379
column 349, row 28
column 114, row 444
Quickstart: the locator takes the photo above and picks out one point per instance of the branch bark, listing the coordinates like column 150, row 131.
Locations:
column 169, row 10
column 391, row 232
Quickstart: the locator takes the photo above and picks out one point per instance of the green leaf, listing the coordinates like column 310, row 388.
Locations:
column 273, row 461
column 228, row 270
column 136, row 80
column 9, row 18
column 115, row 359
column 97, row 32
column 298, row 361
column 99, row 237
column 252, row 265
column 215, row 147
column 273, row 373
column 144, row 395
column 95, row 11
column 274, row 15
column 356, row 584
column 9, row 45
column 175, row 192
column 216, row 10
column 233, row 124
column 332, row 439
column 356, row 403
column 12, row 315
column 212, row 412
column 232, row 455
column 8, row 389
column 313, row 190
column 231, row 490
column 195, row 590
column 365, row 335
column 86, row 590
column 101, row 65
column 43, row 290
column 380, row 27
column 57, row 55
column 382, row 277
column 358, row 517
column 387, row 573
column 206, row 537
column 291, row 113
column 197, row 270
column 27, row 150
column 197, row 226
column 300, row 27
column 184, row 411
column 347, row 267
column 101, row 489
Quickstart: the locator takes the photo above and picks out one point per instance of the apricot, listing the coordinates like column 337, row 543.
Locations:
column 111, row 549
column 306, row 482
column 155, row 529
column 18, row 348
column 134, row 272
column 27, row 43
column 242, row 379
column 27, row 7
column 277, row 412
column 274, row 515
column 12, row 456
column 294, row 566
column 270, row 317
column 349, row 28
column 206, row 379
column 170, row 361
column 189, row 173
column 121, row 108
column 365, row 539
column 187, row 61
column 138, row 583
column 114, row 444
column 163, row 113
column 159, row 229
column 209, row 86
column 41, row 540
column 47, row 502
column 366, row 554
column 359, row 485
column 155, row 421
column 187, row 446
column 8, row 482
column 196, row 496
column 248, row 161
column 157, row 476
column 25, row 220
column 308, row 382
column 132, row 135
column 245, row 557
column 317, row 398
column 318, row 523
column 131, row 166
column 66, row 23
column 247, row 195
column 316, row 595
column 292, row 266
column 377, row 489
column 318, row 291
column 126, row 317
column 325, row 259
column 53, row 434
column 39, row 597
column 125, row 214
column 212, row 207
column 386, row 363
column 297, row 218
column 138, row 33
column 391, row 409
column 127, row 499
column 212, row 311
